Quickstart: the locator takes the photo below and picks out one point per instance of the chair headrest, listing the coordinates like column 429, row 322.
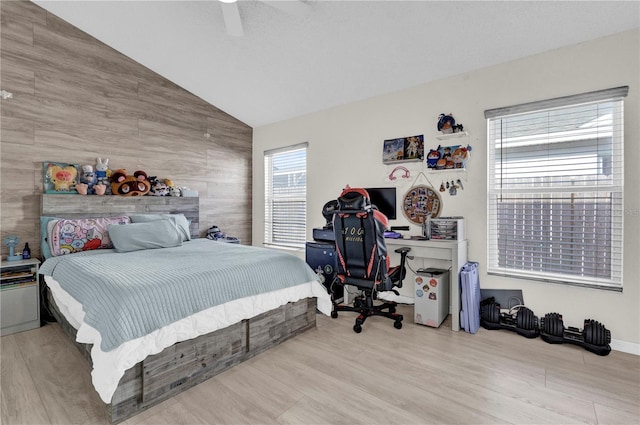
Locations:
column 354, row 199
column 329, row 208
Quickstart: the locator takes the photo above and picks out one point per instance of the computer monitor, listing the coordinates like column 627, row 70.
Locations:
column 384, row 198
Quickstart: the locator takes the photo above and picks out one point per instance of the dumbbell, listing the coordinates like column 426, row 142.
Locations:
column 593, row 337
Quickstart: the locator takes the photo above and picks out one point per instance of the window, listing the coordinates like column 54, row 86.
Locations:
column 285, row 196
column 555, row 207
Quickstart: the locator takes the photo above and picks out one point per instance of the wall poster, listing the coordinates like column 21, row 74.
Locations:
column 404, row 149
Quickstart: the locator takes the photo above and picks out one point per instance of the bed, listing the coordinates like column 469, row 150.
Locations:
column 205, row 307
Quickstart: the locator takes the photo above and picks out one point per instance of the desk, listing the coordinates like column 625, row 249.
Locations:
column 454, row 251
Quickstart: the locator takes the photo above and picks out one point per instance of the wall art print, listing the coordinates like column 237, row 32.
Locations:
column 404, row 149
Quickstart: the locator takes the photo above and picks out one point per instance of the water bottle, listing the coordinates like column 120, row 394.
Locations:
column 26, row 252
column 426, row 227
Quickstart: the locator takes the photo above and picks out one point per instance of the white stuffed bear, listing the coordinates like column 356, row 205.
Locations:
column 102, row 174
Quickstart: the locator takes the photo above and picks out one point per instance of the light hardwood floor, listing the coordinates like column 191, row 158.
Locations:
column 330, row 375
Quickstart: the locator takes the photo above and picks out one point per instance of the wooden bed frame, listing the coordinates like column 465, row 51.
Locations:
column 187, row 363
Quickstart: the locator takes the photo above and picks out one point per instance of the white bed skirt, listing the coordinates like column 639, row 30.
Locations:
column 109, row 367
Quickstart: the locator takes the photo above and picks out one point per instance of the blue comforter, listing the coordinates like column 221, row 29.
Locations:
column 128, row 295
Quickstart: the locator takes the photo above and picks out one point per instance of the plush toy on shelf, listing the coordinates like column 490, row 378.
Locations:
column 159, row 187
column 446, row 123
column 103, row 174
column 89, row 178
column 433, row 157
column 173, row 189
column 460, row 156
column 129, row 185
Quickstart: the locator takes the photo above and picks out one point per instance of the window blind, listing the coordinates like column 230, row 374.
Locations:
column 556, row 184
column 286, row 196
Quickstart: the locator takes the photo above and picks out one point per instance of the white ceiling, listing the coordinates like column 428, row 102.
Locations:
column 340, row 51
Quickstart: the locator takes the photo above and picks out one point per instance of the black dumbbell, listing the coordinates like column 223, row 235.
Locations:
column 595, row 333
column 552, row 324
column 490, row 312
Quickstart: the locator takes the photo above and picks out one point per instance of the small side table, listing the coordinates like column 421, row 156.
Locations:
column 19, row 296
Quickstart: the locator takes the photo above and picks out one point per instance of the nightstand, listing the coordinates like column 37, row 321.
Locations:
column 19, row 296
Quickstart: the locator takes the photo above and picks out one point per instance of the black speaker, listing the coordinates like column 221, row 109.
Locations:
column 321, row 257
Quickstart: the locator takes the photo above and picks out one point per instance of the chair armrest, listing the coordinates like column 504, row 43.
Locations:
column 403, row 259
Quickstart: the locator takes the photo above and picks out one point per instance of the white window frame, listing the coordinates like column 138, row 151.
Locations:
column 285, row 226
column 509, row 195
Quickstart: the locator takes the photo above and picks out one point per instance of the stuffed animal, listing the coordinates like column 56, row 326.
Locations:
column 446, row 123
column 433, row 157
column 460, row 156
column 102, row 167
column 63, row 178
column 214, row 233
column 158, row 187
column 88, row 177
column 173, row 189
column 129, row 185
column 103, row 174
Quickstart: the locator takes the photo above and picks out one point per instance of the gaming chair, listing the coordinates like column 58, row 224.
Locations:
column 362, row 257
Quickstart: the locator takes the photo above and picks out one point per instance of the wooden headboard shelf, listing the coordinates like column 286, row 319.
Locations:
column 75, row 206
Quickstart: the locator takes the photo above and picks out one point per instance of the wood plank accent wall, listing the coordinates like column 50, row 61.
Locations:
column 76, row 99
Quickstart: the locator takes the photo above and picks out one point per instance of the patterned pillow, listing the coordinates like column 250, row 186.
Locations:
column 67, row 236
column 44, row 238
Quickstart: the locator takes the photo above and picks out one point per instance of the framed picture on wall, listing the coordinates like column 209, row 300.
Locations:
column 404, row 149
column 60, row 177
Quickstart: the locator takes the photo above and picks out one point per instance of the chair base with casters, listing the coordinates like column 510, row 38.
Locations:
column 364, row 303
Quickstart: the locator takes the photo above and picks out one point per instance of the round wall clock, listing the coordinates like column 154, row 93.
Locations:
column 419, row 202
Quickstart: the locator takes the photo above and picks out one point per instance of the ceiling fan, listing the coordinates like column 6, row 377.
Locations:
column 231, row 12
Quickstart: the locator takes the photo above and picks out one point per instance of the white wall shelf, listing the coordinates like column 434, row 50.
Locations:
column 453, row 138
column 449, row 136
column 432, row 171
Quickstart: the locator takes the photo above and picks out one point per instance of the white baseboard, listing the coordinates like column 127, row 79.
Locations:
column 625, row 347
column 616, row 344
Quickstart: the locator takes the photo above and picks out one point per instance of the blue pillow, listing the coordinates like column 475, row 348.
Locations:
column 179, row 220
column 44, row 243
column 150, row 235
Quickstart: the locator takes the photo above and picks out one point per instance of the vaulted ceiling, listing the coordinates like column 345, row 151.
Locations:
column 334, row 52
